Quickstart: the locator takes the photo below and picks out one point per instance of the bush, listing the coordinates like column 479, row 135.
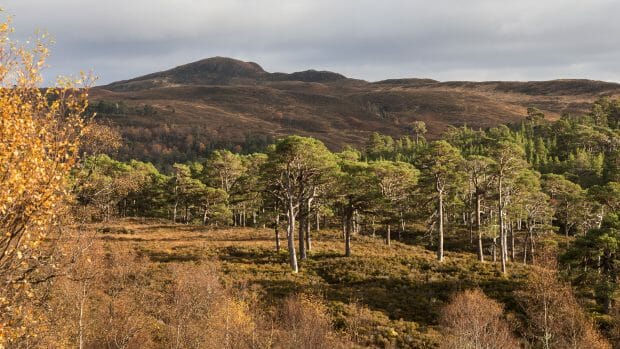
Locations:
column 472, row 320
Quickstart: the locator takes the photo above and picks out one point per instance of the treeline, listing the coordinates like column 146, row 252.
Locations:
column 121, row 108
column 583, row 148
column 150, row 136
column 505, row 185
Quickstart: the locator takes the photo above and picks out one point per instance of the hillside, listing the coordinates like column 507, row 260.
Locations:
column 183, row 112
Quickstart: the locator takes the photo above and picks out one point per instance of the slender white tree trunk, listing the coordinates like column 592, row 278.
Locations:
column 277, row 231
column 347, row 235
column 291, row 236
column 479, row 229
column 502, row 237
column 440, row 247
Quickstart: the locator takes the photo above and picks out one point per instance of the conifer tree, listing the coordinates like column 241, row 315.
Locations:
column 441, row 166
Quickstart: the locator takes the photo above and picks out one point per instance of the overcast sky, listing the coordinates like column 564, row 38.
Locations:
column 371, row 40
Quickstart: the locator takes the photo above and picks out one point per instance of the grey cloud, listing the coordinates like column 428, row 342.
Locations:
column 441, row 39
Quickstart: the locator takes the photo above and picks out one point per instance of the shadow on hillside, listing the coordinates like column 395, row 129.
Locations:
column 456, row 239
column 278, row 289
column 237, row 254
column 245, row 239
column 419, row 301
column 172, row 256
column 202, row 237
column 140, row 239
column 326, row 255
column 190, row 228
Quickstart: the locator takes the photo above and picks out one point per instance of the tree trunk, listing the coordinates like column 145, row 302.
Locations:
column 502, row 238
column 402, row 227
column 512, row 242
column 440, row 247
column 525, row 246
column 307, row 235
column 566, row 225
column 302, row 229
column 291, row 236
column 347, row 235
column 318, row 220
column 479, row 229
column 388, row 238
column 263, row 215
column 277, row 231
column 307, row 225
column 607, row 304
column 244, row 216
column 374, row 230
column 470, row 224
column 532, row 245
column 174, row 212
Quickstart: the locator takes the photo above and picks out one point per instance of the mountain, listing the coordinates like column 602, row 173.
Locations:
column 218, row 71
column 182, row 112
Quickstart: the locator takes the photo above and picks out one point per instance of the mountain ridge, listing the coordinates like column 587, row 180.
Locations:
column 221, row 100
column 223, row 71
column 219, row 71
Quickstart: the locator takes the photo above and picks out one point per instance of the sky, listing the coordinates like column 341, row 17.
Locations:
column 371, row 40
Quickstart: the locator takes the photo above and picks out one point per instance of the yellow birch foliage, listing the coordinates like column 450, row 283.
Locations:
column 39, row 140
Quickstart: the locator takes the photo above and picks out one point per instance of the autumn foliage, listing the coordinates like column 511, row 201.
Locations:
column 39, row 138
column 555, row 318
column 472, row 320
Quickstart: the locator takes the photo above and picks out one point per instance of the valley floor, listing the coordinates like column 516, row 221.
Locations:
column 381, row 296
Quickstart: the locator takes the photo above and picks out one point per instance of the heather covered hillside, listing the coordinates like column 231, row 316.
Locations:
column 179, row 114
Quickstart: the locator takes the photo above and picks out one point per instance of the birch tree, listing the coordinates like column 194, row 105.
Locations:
column 40, row 135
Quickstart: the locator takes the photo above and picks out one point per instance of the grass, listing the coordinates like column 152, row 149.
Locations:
column 390, row 294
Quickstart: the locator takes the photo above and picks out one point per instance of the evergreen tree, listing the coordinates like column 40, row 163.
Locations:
column 293, row 170
column 441, row 165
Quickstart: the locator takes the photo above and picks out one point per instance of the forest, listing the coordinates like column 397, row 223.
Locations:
column 508, row 190
column 534, row 178
column 504, row 237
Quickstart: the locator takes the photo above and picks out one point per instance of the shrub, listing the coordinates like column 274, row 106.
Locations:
column 472, row 320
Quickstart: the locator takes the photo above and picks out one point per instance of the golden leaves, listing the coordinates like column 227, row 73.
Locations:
column 40, row 132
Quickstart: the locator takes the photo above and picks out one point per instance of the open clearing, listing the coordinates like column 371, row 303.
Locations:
column 400, row 288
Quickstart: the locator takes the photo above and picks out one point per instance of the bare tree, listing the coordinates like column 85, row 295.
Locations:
column 472, row 320
column 554, row 317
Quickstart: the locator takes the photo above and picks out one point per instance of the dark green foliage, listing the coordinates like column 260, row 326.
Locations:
column 593, row 262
